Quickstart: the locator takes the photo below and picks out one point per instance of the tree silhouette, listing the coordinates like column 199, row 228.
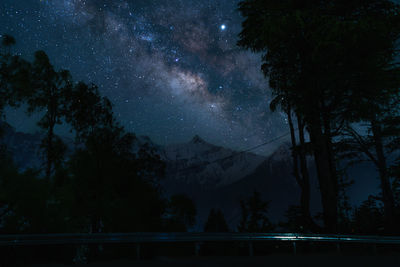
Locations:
column 368, row 218
column 182, row 213
column 315, row 53
column 48, row 89
column 377, row 110
column 254, row 215
column 87, row 111
column 27, row 203
column 299, row 156
column 7, row 42
column 295, row 221
column 112, row 183
column 14, row 76
column 111, row 178
column 216, row 222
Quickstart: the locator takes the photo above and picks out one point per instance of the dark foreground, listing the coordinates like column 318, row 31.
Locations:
column 309, row 260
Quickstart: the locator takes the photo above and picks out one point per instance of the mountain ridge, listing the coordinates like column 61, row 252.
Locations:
column 214, row 176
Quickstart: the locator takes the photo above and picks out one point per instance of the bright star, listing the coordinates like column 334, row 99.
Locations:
column 223, row 27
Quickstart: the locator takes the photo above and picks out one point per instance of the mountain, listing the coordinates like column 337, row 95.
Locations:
column 198, row 162
column 218, row 177
column 25, row 147
column 271, row 176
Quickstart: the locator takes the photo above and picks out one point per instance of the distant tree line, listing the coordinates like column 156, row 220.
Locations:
column 333, row 69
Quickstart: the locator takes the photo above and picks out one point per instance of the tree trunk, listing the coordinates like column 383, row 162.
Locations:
column 303, row 179
column 326, row 176
column 52, row 120
column 49, row 152
column 306, row 193
column 294, row 152
column 387, row 193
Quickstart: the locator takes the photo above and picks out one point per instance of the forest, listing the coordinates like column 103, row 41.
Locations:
column 333, row 70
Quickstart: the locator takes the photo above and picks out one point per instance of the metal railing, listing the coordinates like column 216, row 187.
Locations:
column 60, row 239
column 196, row 238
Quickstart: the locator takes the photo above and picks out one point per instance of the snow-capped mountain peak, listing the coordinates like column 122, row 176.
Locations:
column 200, row 162
column 197, row 140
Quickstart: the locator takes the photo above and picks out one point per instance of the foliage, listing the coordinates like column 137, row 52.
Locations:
column 14, row 76
column 368, row 218
column 47, row 93
column 7, row 40
column 344, row 208
column 86, row 110
column 216, row 222
column 332, row 63
column 27, row 203
column 110, row 185
column 102, row 186
column 181, row 212
column 254, row 215
column 294, row 221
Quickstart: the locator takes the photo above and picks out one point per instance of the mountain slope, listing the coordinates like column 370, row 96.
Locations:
column 199, row 162
column 272, row 178
column 217, row 177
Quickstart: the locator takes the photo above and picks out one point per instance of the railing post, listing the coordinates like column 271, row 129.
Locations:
column 251, row 250
column 374, row 249
column 338, row 247
column 294, row 248
column 197, row 249
column 138, row 251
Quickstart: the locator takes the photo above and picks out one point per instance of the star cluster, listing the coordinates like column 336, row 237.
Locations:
column 171, row 68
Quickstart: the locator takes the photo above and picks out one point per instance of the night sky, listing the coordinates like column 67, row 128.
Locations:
column 171, row 67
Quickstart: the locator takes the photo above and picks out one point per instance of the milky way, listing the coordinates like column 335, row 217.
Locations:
column 171, row 68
